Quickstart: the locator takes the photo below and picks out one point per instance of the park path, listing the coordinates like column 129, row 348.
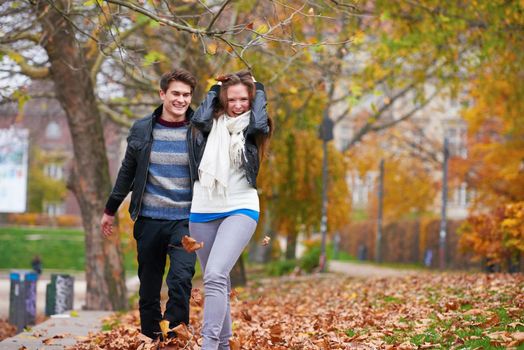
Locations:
column 57, row 332
column 363, row 270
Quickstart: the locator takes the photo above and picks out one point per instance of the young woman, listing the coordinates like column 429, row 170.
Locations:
column 232, row 131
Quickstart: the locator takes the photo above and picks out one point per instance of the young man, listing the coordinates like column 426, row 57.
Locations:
column 156, row 169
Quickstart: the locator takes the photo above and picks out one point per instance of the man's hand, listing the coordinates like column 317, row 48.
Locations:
column 107, row 225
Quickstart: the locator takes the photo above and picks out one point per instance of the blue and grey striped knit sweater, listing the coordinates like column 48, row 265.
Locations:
column 167, row 194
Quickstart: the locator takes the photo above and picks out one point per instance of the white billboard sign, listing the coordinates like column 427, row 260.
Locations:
column 13, row 169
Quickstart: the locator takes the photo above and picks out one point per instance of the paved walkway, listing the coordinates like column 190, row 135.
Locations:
column 366, row 270
column 57, row 332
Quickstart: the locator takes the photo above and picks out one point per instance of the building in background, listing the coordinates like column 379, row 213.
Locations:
column 422, row 136
column 51, row 150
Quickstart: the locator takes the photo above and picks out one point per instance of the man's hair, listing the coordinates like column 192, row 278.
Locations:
column 178, row 74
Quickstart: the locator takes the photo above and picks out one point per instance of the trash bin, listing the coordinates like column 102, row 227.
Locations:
column 22, row 299
column 59, row 294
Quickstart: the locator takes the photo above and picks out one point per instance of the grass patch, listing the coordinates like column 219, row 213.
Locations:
column 350, row 332
column 341, row 255
column 392, row 299
column 58, row 248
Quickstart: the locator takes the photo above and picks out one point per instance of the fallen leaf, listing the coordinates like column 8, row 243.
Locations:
column 246, row 316
column 266, row 240
column 519, row 336
column 182, row 332
column 275, row 333
column 234, row 344
column 164, row 327
column 196, row 297
column 233, row 294
column 190, row 245
column 474, row 312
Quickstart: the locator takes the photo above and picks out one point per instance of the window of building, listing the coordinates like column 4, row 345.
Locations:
column 457, row 137
column 361, row 187
column 53, row 131
column 461, row 196
column 344, row 136
column 54, row 171
column 54, row 208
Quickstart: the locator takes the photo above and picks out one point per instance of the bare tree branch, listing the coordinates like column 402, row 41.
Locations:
column 114, row 116
column 113, row 46
column 370, row 127
column 163, row 20
column 26, row 68
column 406, row 115
column 66, row 17
column 215, row 17
column 19, row 37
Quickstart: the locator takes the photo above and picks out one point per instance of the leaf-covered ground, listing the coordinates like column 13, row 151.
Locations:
column 6, row 329
column 427, row 311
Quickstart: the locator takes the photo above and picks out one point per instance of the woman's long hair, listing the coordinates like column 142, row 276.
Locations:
column 245, row 78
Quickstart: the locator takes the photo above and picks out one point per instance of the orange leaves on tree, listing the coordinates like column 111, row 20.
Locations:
column 497, row 236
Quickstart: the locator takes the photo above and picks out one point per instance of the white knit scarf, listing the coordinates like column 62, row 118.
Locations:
column 224, row 150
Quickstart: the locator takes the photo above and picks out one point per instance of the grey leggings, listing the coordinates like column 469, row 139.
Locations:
column 224, row 239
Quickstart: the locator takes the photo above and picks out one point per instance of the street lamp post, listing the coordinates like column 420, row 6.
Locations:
column 380, row 195
column 443, row 219
column 326, row 134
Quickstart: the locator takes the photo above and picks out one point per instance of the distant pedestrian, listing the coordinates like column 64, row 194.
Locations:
column 36, row 265
column 233, row 129
column 428, row 257
column 362, row 252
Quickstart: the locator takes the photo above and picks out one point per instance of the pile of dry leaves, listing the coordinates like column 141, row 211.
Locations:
column 6, row 329
column 427, row 311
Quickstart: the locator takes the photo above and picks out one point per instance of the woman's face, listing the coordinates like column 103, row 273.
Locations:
column 237, row 100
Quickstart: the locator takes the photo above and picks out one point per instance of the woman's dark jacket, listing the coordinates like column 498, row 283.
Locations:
column 202, row 121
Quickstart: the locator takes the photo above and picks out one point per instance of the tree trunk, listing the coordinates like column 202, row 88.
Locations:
column 291, row 245
column 90, row 180
column 268, row 250
column 238, row 274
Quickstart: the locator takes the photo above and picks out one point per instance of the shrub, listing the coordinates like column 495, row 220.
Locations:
column 281, row 267
column 309, row 261
column 26, row 219
column 68, row 221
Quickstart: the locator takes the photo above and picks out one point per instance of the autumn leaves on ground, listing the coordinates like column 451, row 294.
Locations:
column 328, row 311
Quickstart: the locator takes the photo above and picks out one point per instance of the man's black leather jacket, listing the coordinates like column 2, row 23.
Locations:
column 132, row 175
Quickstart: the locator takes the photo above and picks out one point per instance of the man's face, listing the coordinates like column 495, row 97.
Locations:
column 176, row 101
column 237, row 100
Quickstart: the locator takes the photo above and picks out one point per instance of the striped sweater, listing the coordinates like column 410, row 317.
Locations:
column 167, row 193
